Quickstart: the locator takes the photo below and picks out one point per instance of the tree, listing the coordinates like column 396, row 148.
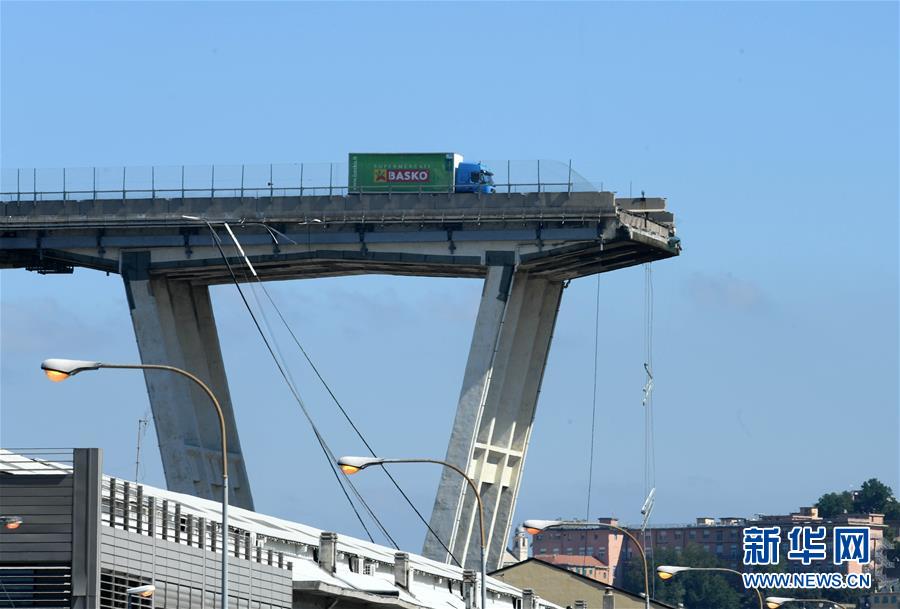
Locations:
column 833, row 504
column 892, row 511
column 874, row 496
column 696, row 590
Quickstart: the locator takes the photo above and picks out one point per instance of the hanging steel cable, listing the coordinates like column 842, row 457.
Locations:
column 327, row 453
column 587, row 510
column 275, row 234
column 332, row 458
column 344, row 412
column 647, row 401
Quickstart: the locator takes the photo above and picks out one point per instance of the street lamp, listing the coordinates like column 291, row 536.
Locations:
column 141, row 591
column 536, row 526
column 352, row 465
column 11, row 522
column 58, row 370
column 773, row 602
column 666, row 572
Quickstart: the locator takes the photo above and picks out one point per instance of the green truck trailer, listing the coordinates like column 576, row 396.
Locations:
column 425, row 172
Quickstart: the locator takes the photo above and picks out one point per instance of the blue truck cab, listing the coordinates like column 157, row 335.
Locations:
column 474, row 177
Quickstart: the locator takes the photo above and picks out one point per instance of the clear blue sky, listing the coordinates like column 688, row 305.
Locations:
column 772, row 128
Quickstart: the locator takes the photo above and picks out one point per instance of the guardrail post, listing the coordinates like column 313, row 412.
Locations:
column 151, row 516
column 139, row 511
column 126, row 496
column 177, row 523
column 112, row 502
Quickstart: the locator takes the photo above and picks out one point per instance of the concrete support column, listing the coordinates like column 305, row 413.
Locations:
column 174, row 325
column 496, row 408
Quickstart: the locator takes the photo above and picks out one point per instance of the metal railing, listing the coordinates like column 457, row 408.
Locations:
column 37, row 460
column 125, row 506
column 250, row 181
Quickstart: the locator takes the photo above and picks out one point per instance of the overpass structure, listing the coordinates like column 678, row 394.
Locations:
column 525, row 245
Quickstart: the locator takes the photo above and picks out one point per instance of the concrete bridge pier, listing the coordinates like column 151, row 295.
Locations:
column 490, row 435
column 174, row 325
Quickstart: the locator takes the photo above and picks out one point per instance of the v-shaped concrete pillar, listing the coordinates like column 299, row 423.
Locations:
column 174, row 325
column 496, row 408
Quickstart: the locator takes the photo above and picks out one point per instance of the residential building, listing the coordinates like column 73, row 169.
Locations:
column 565, row 588
column 581, row 563
column 722, row 537
column 882, row 599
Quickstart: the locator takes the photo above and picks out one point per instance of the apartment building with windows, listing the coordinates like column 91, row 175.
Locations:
column 721, row 537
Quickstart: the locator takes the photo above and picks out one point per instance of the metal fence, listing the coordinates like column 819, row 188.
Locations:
column 250, row 181
column 124, row 506
column 37, row 461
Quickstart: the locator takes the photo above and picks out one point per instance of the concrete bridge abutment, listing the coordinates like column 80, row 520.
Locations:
column 489, row 440
column 174, row 325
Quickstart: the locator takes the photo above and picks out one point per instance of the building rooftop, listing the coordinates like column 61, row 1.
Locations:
column 578, row 560
column 431, row 583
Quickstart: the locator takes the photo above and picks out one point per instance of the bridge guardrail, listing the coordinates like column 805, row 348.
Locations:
column 246, row 181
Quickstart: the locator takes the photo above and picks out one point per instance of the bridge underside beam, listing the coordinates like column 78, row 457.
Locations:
column 496, row 409
column 174, row 325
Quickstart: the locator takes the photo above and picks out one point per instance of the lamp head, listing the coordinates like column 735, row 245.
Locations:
column 668, row 571
column 143, row 591
column 774, row 602
column 60, row 369
column 11, row 522
column 536, row 526
column 351, row 465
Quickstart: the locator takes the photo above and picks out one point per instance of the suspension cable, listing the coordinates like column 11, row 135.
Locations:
column 587, row 510
column 332, row 459
column 275, row 234
column 649, row 431
column 318, row 435
column 344, row 412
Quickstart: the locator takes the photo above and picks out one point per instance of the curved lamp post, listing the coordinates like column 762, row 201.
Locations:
column 536, row 526
column 773, row 602
column 141, row 591
column 58, row 370
column 351, row 465
column 668, row 572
